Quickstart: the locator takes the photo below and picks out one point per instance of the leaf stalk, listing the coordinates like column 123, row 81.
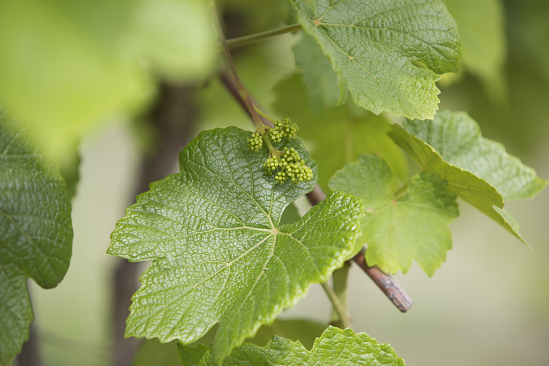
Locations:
column 338, row 306
column 252, row 38
column 339, row 278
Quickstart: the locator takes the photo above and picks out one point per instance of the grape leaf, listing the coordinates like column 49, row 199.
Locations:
column 399, row 229
column 82, row 61
column 35, row 231
column 334, row 347
column 338, row 135
column 482, row 31
column 477, row 169
column 318, row 76
column 218, row 252
column 375, row 47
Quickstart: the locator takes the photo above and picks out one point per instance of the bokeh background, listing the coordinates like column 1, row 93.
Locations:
column 488, row 303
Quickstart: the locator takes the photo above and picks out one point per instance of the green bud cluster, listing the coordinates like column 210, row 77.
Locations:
column 255, row 142
column 282, row 128
column 290, row 167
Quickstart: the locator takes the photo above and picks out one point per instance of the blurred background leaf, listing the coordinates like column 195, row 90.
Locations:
column 66, row 66
column 483, row 44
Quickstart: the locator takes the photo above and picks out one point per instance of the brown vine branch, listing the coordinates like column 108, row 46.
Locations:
column 386, row 283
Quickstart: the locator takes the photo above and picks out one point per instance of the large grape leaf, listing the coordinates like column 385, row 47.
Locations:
column 375, row 47
column 68, row 66
column 35, row 231
column 398, row 229
column 334, row 347
column 339, row 134
column 218, row 251
column 477, row 169
column 482, row 31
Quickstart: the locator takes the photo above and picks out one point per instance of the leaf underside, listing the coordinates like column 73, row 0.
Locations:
column 399, row 229
column 477, row 169
column 334, row 347
column 36, row 231
column 219, row 254
column 375, row 47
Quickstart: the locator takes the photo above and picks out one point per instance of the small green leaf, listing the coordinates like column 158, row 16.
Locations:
column 375, row 45
column 477, row 169
column 218, row 251
column 35, row 231
column 399, row 229
column 339, row 134
column 334, row 347
column 318, row 76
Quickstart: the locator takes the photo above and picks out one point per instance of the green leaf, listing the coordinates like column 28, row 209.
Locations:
column 339, row 134
column 218, row 252
column 482, row 31
column 376, row 47
column 66, row 67
column 477, row 169
column 399, row 229
column 165, row 354
column 318, row 76
column 35, row 231
column 334, row 347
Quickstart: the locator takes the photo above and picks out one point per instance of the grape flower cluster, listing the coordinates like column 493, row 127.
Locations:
column 255, row 143
column 282, row 128
column 289, row 167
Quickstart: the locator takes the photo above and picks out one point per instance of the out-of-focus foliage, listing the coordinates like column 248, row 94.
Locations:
column 66, row 66
column 35, row 230
column 483, row 44
column 521, row 119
